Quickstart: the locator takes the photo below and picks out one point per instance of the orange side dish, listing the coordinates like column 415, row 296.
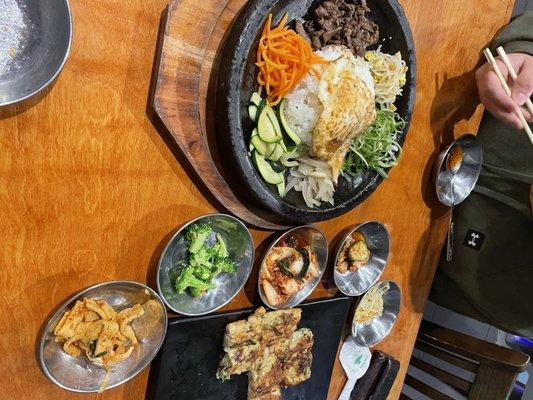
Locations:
column 283, row 59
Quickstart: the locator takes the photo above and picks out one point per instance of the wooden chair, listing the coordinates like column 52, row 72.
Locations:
column 494, row 367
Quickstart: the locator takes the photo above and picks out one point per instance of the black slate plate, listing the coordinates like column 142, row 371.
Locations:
column 236, row 83
column 186, row 365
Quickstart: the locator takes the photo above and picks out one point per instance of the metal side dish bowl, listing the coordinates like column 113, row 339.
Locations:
column 79, row 374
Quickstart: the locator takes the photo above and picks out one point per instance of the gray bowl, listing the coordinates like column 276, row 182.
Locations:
column 241, row 248
column 39, row 45
column 466, row 177
column 378, row 242
column 319, row 245
column 78, row 374
column 380, row 327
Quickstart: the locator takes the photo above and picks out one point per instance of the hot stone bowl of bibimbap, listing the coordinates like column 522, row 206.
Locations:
column 313, row 103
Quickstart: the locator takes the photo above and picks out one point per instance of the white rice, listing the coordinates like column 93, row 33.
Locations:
column 302, row 108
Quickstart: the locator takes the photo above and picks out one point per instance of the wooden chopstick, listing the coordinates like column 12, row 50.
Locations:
column 492, row 61
column 512, row 72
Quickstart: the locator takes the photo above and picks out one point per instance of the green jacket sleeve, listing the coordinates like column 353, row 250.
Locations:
column 517, row 37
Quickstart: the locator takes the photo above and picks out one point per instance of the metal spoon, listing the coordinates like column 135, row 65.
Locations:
column 453, row 163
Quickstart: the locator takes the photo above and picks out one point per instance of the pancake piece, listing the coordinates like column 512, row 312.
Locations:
column 273, row 394
column 238, row 360
column 244, row 331
column 280, row 324
column 265, row 376
column 298, row 359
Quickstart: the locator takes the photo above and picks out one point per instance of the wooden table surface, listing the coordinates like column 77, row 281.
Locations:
column 89, row 190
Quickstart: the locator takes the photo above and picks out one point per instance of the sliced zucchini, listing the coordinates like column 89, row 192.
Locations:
column 283, row 146
column 255, row 99
column 265, row 127
column 252, row 112
column 277, row 153
column 281, row 187
column 274, row 119
column 290, row 133
column 265, row 170
column 262, row 104
column 264, row 148
column 276, row 166
column 251, row 145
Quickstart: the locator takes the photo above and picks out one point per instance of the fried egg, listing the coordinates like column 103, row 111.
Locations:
column 346, row 93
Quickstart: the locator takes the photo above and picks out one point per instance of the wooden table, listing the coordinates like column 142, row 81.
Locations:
column 89, row 190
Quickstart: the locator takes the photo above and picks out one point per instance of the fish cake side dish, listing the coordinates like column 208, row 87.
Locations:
column 93, row 327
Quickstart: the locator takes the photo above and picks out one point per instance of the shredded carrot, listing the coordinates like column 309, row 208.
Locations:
column 283, row 58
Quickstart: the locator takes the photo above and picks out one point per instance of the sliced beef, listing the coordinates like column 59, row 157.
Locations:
column 341, row 22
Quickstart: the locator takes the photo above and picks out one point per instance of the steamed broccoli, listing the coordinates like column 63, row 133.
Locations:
column 220, row 247
column 196, row 236
column 224, row 265
column 204, row 262
column 187, row 280
column 202, row 258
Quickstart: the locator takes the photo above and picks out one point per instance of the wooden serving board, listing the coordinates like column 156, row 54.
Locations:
column 190, row 42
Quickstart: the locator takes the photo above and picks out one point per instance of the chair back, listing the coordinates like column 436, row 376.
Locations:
column 464, row 365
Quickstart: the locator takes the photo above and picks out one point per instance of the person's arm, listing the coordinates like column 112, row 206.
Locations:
column 517, row 40
column 517, row 37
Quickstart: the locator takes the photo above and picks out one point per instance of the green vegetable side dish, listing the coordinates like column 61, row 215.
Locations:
column 376, row 148
column 205, row 261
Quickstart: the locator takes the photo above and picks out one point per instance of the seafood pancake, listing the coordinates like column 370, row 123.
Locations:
column 280, row 324
column 264, row 378
column 348, row 109
column 298, row 359
column 244, row 331
column 268, row 347
column 238, row 360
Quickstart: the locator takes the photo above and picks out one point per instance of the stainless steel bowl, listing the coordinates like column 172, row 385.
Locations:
column 378, row 328
column 319, row 245
column 241, row 248
column 78, row 374
column 466, row 176
column 378, row 242
column 39, row 33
